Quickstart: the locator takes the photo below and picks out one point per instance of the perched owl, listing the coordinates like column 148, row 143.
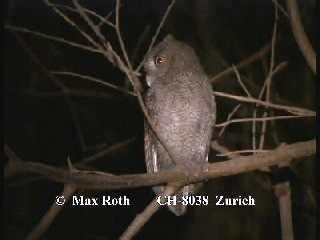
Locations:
column 182, row 109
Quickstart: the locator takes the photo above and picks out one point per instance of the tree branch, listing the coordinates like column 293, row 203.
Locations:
column 142, row 218
column 229, row 71
column 293, row 110
column 283, row 193
column 99, row 180
column 50, row 215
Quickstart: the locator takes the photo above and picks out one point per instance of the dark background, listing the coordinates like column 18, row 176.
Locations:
column 43, row 128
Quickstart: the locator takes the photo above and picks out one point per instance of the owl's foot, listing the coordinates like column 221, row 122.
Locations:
column 192, row 170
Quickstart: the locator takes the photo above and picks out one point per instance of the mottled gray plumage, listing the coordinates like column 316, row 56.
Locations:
column 182, row 108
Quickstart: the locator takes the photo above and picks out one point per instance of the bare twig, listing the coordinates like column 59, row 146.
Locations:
column 290, row 109
column 71, row 92
column 241, row 151
column 54, row 38
column 50, row 215
column 230, row 115
column 240, row 81
column 105, row 151
column 223, row 150
column 96, row 29
column 293, row 110
column 92, row 79
column 156, row 34
column 118, row 32
column 269, row 77
column 142, row 218
column 73, row 24
column 263, row 119
column 114, row 147
column 300, row 35
column 102, row 19
column 266, row 84
column 97, row 147
column 138, row 45
column 256, row 56
column 106, row 49
column 281, row 8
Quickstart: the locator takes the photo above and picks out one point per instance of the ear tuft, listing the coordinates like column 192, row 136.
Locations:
column 169, row 38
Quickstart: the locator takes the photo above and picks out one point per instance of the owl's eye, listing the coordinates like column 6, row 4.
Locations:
column 159, row 61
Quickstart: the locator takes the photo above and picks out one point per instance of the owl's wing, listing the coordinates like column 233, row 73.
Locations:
column 151, row 155
column 150, row 150
column 214, row 111
column 152, row 163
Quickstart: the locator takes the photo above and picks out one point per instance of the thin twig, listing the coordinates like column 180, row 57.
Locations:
column 92, row 79
column 281, row 66
column 269, row 77
column 230, row 115
column 262, row 119
column 251, row 59
column 95, row 28
column 108, row 52
column 84, row 93
column 281, row 8
column 118, row 32
column 300, row 35
column 102, row 19
column 222, row 149
column 240, row 81
column 156, row 34
column 54, row 38
column 50, row 215
column 293, row 110
column 73, row 24
column 105, row 151
column 143, row 36
column 106, row 49
column 142, row 218
column 241, row 151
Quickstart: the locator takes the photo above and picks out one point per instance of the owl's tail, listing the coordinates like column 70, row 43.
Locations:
column 180, row 209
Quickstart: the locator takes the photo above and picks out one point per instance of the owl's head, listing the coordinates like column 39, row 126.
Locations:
column 169, row 58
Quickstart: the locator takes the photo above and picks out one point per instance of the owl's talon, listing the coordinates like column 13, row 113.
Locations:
column 191, row 170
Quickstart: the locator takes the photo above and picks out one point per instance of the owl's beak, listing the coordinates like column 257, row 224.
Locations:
column 149, row 80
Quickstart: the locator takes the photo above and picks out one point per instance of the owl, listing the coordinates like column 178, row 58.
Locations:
column 182, row 109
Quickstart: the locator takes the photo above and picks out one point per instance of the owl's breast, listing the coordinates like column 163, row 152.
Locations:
column 183, row 118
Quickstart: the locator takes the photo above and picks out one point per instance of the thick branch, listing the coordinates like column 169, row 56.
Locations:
column 283, row 193
column 283, row 154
